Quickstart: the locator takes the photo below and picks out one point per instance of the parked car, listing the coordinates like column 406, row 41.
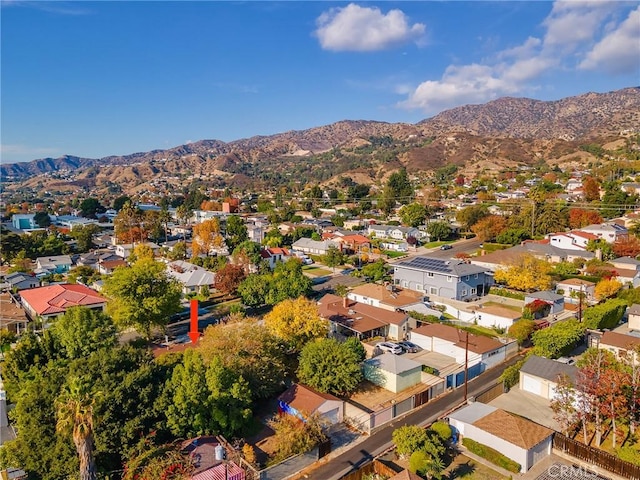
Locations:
column 409, row 346
column 390, row 347
column 446, row 246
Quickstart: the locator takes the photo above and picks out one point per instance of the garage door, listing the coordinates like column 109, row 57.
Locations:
column 531, row 385
column 332, row 416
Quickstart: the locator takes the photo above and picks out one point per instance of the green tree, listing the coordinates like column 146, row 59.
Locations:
column 119, row 202
column 74, row 413
column 90, row 206
column 401, row 186
column 513, row 236
column 142, row 296
column 413, row 214
column 10, row 244
column 83, row 274
column 604, row 315
column 558, row 339
column 254, row 289
column 439, row 230
column 81, row 331
column 330, row 366
column 236, row 232
column 376, row 271
column 42, row 219
column 469, row 216
column 333, row 257
column 356, row 345
column 84, row 236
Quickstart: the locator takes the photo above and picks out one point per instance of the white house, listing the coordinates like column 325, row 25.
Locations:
column 515, row 437
column 497, row 316
column 314, row 247
column 620, row 345
column 392, row 372
column 540, row 376
column 572, row 288
column 192, row 277
column 634, row 317
column 273, row 255
column 387, row 297
column 609, row 232
column 24, row 221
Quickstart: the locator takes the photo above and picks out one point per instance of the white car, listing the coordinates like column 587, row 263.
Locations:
column 390, row 347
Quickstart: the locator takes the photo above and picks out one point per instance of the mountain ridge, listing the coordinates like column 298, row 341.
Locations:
column 518, row 122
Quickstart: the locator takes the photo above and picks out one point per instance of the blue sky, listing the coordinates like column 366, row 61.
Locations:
column 110, row 78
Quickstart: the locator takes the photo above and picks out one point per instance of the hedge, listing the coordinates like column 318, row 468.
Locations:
column 492, row 455
column 503, row 292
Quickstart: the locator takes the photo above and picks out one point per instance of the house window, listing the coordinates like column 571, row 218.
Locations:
column 405, row 284
column 429, row 274
column 418, row 286
column 464, row 293
column 433, row 291
column 473, row 291
column 476, row 275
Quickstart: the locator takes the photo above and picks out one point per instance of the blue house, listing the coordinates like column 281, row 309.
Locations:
column 54, row 264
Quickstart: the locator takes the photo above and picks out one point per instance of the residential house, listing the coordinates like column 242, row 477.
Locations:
column 314, row 247
column 387, row 297
column 54, row 264
column 572, row 288
column 124, row 250
column 256, row 233
column 302, row 401
column 392, row 372
column 500, row 316
column 627, row 270
column 21, row 281
column 107, row 267
column 632, row 188
column 540, row 376
column 634, row 317
column 351, row 318
column 454, row 279
column 12, row 316
column 53, row 300
column 478, row 352
column 192, row 277
column 73, row 221
column 209, row 460
column 93, row 259
column 393, row 232
column 554, row 300
column 24, row 221
column 352, row 243
column 514, row 436
column 273, row 255
column 609, row 232
column 620, row 345
column 575, row 240
column 542, row 250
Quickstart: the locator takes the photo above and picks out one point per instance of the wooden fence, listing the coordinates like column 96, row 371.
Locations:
column 596, row 457
column 376, row 466
column 491, row 393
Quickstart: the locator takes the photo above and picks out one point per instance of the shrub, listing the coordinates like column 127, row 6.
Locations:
column 629, row 454
column 492, row 455
column 443, row 430
column 503, row 292
column 511, row 374
column 419, row 461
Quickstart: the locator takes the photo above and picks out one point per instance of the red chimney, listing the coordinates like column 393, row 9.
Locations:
column 345, row 302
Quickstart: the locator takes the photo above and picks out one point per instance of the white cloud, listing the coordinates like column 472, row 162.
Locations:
column 572, row 31
column 619, row 50
column 362, row 29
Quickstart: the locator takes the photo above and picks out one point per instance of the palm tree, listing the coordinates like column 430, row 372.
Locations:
column 74, row 412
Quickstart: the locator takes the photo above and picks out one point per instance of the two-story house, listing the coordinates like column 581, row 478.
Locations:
column 273, row 255
column 609, row 232
column 454, row 279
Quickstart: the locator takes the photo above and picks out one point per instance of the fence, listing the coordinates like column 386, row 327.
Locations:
column 490, row 394
column 596, row 457
column 376, row 466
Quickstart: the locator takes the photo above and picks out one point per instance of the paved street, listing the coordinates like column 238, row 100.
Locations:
column 380, row 440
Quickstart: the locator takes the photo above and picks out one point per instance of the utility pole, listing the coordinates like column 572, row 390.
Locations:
column 580, row 304
column 466, row 364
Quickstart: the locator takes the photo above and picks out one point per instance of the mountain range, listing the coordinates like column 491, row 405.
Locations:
column 494, row 135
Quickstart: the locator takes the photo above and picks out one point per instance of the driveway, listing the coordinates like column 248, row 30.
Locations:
column 527, row 405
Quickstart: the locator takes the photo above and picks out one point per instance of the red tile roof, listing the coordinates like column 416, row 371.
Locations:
column 57, row 298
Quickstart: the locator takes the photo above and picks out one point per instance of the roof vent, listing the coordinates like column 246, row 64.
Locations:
column 352, row 312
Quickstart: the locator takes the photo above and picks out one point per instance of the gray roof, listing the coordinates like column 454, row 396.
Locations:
column 634, row 309
column 545, row 295
column 472, row 412
column 456, row 268
column 626, row 261
column 548, row 369
column 391, row 363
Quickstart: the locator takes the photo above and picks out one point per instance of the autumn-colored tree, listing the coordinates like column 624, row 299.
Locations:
column 296, row 322
column 591, row 189
column 128, row 224
column 246, row 347
column 627, row 247
column 521, row 330
column 488, row 228
column 579, row 217
column 229, row 277
column 526, row 273
column 294, row 436
column 564, row 404
column 607, row 288
column 139, row 252
column 207, row 237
